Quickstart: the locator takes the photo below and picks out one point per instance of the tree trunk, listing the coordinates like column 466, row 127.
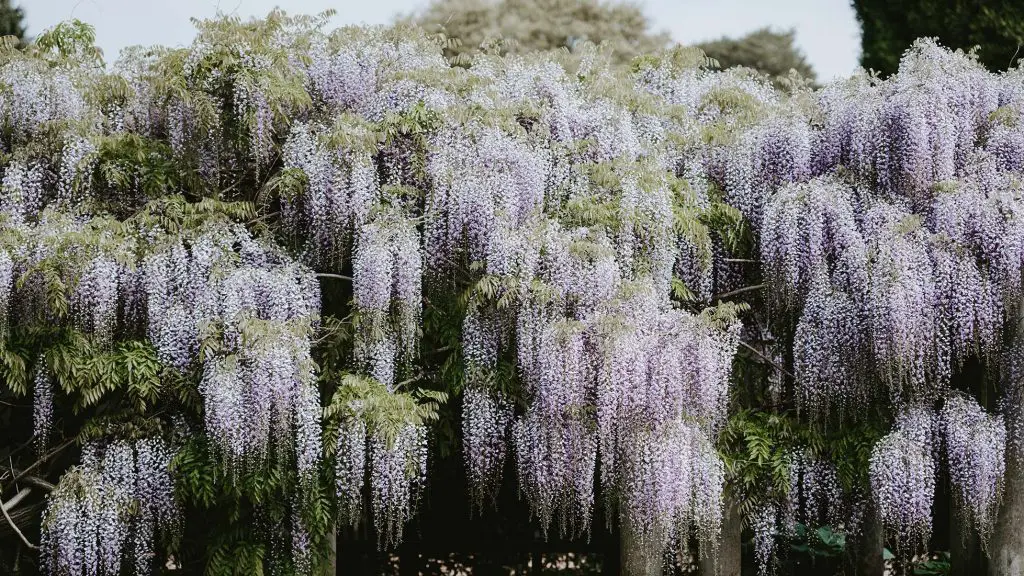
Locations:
column 638, row 557
column 728, row 560
column 871, row 548
column 332, row 555
column 965, row 558
column 1006, row 551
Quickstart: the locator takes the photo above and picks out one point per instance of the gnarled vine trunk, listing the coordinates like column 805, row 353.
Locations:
column 965, row 557
column 1006, row 551
column 638, row 557
column 332, row 554
column 871, row 548
column 728, row 560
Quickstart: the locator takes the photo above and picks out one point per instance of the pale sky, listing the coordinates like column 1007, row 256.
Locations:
column 826, row 30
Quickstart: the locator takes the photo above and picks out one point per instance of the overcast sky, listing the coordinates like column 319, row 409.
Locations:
column 826, row 30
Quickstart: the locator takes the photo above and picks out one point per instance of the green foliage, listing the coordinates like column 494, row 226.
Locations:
column 889, row 27
column 175, row 214
column 385, row 413
column 237, row 508
column 822, row 542
column 131, row 169
column 71, row 40
column 88, row 372
column 757, row 447
column 769, row 52
column 938, row 565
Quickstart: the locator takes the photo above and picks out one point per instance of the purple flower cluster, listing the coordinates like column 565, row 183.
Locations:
column 354, row 72
column 21, row 191
column 110, row 508
column 815, row 495
column 341, row 187
column 486, row 185
column 76, row 163
column 42, row 405
column 96, row 297
column 254, row 310
column 387, row 277
column 885, row 292
column 34, row 95
column 350, row 468
column 828, row 348
column 903, row 474
column 398, row 471
column 812, row 229
column 6, row 288
column 486, row 420
column 763, row 522
column 975, row 452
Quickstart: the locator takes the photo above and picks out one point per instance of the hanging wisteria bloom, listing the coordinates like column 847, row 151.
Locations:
column 111, row 507
column 811, row 229
column 22, row 190
column 342, row 186
column 35, row 94
column 398, row 470
column 775, row 153
column 815, row 495
column 96, row 298
column 556, row 448
column 483, row 180
column 350, row 468
column 975, row 451
column 829, row 351
column 902, row 471
column 903, row 303
column 762, row 524
column 76, row 164
column 259, row 386
column 6, row 287
column 387, row 283
column 42, row 405
column 486, row 418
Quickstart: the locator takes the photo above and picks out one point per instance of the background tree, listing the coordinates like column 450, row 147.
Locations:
column 11, row 20
column 531, row 25
column 765, row 50
column 888, row 28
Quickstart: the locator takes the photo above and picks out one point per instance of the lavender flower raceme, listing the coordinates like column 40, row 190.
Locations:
column 903, row 470
column 114, row 505
column 975, row 451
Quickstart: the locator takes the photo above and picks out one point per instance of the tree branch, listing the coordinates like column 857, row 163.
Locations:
column 337, row 276
column 767, row 359
column 44, row 458
column 10, row 504
column 737, row 292
column 39, row 483
column 16, row 499
column 418, row 376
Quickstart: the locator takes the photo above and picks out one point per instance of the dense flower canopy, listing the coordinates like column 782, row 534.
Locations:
column 273, row 219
